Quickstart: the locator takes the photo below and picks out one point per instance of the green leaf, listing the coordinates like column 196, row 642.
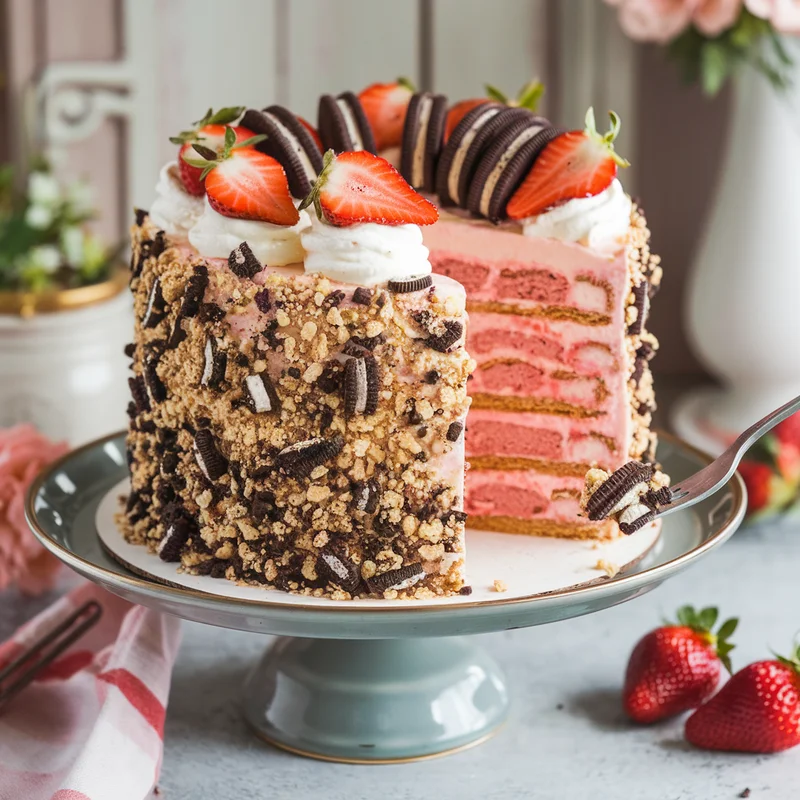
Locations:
column 687, row 616
column 723, row 653
column 230, row 138
column 493, row 93
column 715, row 66
column 530, row 95
column 206, row 152
column 251, row 141
column 223, row 116
column 406, row 83
column 707, row 618
column 727, row 628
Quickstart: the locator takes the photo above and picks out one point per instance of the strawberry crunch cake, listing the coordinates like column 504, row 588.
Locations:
column 302, row 363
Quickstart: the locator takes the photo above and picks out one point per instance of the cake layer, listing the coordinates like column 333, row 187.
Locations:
column 296, row 432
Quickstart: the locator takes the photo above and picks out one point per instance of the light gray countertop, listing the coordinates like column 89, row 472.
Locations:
column 566, row 739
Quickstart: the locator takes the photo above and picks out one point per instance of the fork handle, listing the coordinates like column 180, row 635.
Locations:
column 746, row 440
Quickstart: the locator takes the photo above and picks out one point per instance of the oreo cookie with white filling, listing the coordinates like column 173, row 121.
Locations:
column 397, row 579
column 299, row 460
column 423, row 135
column 504, row 165
column 453, row 156
column 411, row 284
column 156, row 306
column 609, row 493
column 215, row 363
column 361, row 386
column 339, row 570
column 211, row 462
column 343, row 126
column 260, row 394
column 289, row 143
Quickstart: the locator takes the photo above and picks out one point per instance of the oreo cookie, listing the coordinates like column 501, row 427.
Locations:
column 338, row 570
column 411, row 284
column 302, row 458
column 504, row 165
column 454, row 431
column 215, row 362
column 178, row 532
column 343, row 126
column 177, row 334
column 263, row 507
column 154, row 312
column 397, row 579
column 609, row 493
column 641, row 301
column 243, row 263
column 139, row 394
column 423, row 135
column 366, row 495
column 154, row 386
column 140, row 215
column 656, row 498
column 363, row 296
column 635, row 517
column 453, row 158
column 289, row 143
column 194, row 292
column 260, row 394
column 211, row 462
column 361, row 386
column 442, row 342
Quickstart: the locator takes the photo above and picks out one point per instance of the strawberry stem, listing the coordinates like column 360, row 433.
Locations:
column 210, row 159
column 702, row 623
column 313, row 196
column 406, row 83
column 607, row 139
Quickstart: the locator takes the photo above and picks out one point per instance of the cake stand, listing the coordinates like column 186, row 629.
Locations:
column 372, row 681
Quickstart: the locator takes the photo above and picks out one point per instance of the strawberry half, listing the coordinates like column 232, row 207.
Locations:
column 527, row 97
column 243, row 183
column 312, row 130
column 208, row 132
column 676, row 667
column 756, row 711
column 574, row 164
column 362, row 187
column 385, row 105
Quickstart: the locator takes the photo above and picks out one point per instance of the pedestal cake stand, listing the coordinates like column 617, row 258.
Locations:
column 374, row 681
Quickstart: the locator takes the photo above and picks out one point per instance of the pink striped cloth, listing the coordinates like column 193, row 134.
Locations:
column 91, row 727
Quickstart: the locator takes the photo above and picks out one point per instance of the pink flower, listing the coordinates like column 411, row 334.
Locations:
column 712, row 17
column 654, row 20
column 23, row 561
column 783, row 14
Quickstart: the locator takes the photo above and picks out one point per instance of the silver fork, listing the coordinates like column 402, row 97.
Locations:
column 718, row 472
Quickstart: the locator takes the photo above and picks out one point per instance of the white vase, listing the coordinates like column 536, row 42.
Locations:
column 743, row 300
column 65, row 371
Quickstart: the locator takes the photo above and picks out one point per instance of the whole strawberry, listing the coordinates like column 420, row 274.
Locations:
column 757, row 711
column 676, row 667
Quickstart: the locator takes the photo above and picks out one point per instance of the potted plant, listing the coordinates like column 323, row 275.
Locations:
column 64, row 314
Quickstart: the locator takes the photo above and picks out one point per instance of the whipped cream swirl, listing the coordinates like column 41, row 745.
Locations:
column 366, row 253
column 175, row 211
column 599, row 222
column 215, row 235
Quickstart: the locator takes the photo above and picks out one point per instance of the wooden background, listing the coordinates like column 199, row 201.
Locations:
column 182, row 56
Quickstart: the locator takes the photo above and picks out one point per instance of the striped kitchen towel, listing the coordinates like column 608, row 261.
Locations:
column 91, row 726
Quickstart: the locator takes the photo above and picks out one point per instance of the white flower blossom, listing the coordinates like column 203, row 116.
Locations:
column 39, row 217
column 81, row 197
column 72, row 245
column 47, row 257
column 43, row 189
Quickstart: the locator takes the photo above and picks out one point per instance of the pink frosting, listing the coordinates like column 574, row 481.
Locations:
column 23, row 561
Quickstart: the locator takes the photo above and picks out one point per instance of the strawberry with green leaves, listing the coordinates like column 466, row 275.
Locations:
column 243, row 183
column 756, row 711
column 676, row 667
column 573, row 165
column 527, row 97
column 359, row 186
column 209, row 133
column 385, row 105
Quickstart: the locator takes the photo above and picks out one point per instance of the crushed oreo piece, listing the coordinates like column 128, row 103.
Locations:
column 130, row 350
column 325, row 419
column 635, row 517
column 454, row 516
column 263, row 507
column 210, row 312
column 618, row 484
column 658, row 497
column 300, row 459
column 361, row 386
column 466, row 591
column 211, row 462
column 243, row 263
column 193, row 292
column 294, row 372
column 331, row 378
column 154, row 312
column 139, row 394
column 263, row 303
column 432, row 377
column 242, row 360
column 454, row 431
column 367, row 342
column 131, row 409
column 178, row 532
column 422, row 431
column 412, row 284
column 365, row 496
column 339, row 571
column 363, row 296
column 333, row 299
column 641, row 302
column 140, row 215
column 397, row 579
column 260, row 393
column 444, row 341
column 169, row 463
column 215, row 362
column 156, row 390
column 159, row 244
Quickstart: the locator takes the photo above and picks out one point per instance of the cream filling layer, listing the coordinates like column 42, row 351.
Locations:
column 350, row 124
column 305, row 161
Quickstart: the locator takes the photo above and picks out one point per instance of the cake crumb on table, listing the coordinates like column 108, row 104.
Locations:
column 499, row 586
column 606, row 566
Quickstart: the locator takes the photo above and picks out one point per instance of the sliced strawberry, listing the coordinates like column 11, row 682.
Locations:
column 362, row 187
column 246, row 184
column 208, row 132
column 385, row 105
column 527, row 97
column 574, row 164
column 312, row 130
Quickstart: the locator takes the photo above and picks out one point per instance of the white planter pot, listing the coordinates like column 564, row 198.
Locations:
column 65, row 371
column 743, row 300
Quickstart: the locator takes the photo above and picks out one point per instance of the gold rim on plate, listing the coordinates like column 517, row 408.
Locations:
column 133, row 582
